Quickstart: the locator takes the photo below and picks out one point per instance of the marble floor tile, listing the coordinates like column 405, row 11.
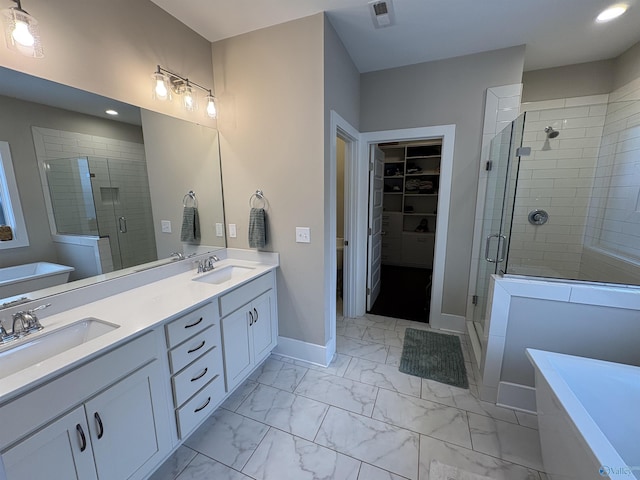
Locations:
column 393, row 338
column 478, row 463
column 379, row 321
column 175, row 464
column 385, row 376
column 282, row 456
column 369, row 472
column 227, row 437
column 239, row 395
column 340, row 392
column 393, row 357
column 507, row 441
column 337, row 366
column 352, row 330
column 375, row 352
column 469, row 368
column 298, row 415
column 429, row 418
column 463, row 399
column 378, row 443
column 275, row 373
column 203, row 467
column 527, row 419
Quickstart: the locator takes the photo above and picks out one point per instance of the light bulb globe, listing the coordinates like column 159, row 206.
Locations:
column 22, row 35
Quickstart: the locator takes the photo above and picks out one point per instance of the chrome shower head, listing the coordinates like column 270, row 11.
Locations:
column 551, row 133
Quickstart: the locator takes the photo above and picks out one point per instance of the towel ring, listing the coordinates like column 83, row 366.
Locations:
column 191, row 195
column 259, row 196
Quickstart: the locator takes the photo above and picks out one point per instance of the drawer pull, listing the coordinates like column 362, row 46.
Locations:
column 197, row 348
column 256, row 312
column 83, row 439
column 203, row 406
column 204, row 372
column 251, row 320
column 99, row 424
column 193, row 324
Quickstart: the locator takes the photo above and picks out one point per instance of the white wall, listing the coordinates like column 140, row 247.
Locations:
column 437, row 93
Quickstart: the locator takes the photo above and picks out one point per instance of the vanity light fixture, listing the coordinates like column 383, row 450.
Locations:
column 612, row 12
column 22, row 33
column 166, row 84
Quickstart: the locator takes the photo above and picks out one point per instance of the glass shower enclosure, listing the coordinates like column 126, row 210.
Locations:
column 104, row 197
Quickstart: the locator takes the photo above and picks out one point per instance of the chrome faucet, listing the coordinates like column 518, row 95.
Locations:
column 23, row 324
column 178, row 255
column 207, row 265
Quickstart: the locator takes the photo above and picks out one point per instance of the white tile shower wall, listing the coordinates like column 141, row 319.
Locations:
column 501, row 108
column 557, row 178
column 613, row 230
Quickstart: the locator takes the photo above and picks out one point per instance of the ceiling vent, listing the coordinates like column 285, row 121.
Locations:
column 382, row 13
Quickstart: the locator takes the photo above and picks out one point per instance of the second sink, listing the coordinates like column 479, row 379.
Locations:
column 224, row 274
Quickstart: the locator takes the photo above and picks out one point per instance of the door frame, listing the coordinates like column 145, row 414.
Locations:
column 359, row 206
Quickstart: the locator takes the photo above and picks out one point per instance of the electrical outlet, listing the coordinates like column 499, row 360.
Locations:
column 166, row 226
column 219, row 232
column 303, row 235
column 232, row 230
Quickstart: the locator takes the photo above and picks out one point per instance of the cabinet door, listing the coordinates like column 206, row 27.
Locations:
column 262, row 329
column 60, row 450
column 235, row 340
column 122, row 425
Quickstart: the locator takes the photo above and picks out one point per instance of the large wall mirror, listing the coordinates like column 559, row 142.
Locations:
column 105, row 195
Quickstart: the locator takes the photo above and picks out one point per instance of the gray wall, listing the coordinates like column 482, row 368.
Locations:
column 605, row 333
column 16, row 119
column 592, row 78
column 112, row 48
column 271, row 122
column 627, row 67
column 182, row 156
column 438, row 93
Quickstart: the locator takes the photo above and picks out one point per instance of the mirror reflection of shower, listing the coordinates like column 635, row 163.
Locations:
column 551, row 133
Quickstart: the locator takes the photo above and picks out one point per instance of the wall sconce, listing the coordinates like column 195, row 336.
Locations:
column 22, row 33
column 166, row 84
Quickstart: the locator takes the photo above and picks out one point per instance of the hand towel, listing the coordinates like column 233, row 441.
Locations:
column 190, row 225
column 257, row 228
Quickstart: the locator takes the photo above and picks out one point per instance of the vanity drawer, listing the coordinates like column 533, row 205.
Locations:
column 187, row 352
column 190, row 324
column 200, row 406
column 244, row 294
column 197, row 375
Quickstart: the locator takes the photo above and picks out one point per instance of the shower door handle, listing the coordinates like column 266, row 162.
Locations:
column 498, row 259
column 122, row 223
column 502, row 239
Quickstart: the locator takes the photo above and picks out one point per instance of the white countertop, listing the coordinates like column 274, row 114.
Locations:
column 134, row 311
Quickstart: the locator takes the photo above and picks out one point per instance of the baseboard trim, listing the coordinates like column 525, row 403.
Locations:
column 308, row 352
column 516, row 396
column 452, row 323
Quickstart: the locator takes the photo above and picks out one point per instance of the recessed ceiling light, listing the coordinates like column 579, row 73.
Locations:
column 612, row 12
column 111, row 112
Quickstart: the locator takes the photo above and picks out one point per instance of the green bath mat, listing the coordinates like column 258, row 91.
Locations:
column 435, row 356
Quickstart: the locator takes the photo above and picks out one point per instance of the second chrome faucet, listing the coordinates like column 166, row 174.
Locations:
column 206, row 265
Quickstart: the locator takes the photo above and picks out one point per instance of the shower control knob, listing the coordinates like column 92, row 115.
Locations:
column 538, row 217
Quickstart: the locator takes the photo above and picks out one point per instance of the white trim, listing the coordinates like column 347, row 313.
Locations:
column 453, row 323
column 339, row 127
column 516, row 396
column 11, row 199
column 360, row 188
column 308, row 352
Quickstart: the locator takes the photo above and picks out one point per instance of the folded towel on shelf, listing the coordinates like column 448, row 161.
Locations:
column 257, row 228
column 190, row 225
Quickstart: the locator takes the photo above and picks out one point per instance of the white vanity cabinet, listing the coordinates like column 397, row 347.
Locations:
column 195, row 360
column 118, row 432
column 249, row 327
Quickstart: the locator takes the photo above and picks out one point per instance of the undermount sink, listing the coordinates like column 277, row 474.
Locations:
column 224, row 274
column 37, row 347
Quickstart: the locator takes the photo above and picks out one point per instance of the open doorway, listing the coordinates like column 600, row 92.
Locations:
column 403, row 209
column 341, row 194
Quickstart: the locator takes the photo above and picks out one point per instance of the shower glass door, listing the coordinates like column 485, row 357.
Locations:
column 498, row 213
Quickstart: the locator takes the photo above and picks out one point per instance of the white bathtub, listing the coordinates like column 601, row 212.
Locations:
column 32, row 276
column 588, row 416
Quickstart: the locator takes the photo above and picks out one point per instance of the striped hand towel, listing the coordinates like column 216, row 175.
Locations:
column 257, row 228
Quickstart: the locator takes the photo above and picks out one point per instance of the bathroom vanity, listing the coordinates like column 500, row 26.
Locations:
column 149, row 366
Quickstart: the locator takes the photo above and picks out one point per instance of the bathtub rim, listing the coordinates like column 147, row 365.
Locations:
column 63, row 269
column 594, row 438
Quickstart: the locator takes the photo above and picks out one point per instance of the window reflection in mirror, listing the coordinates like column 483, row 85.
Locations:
column 13, row 232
